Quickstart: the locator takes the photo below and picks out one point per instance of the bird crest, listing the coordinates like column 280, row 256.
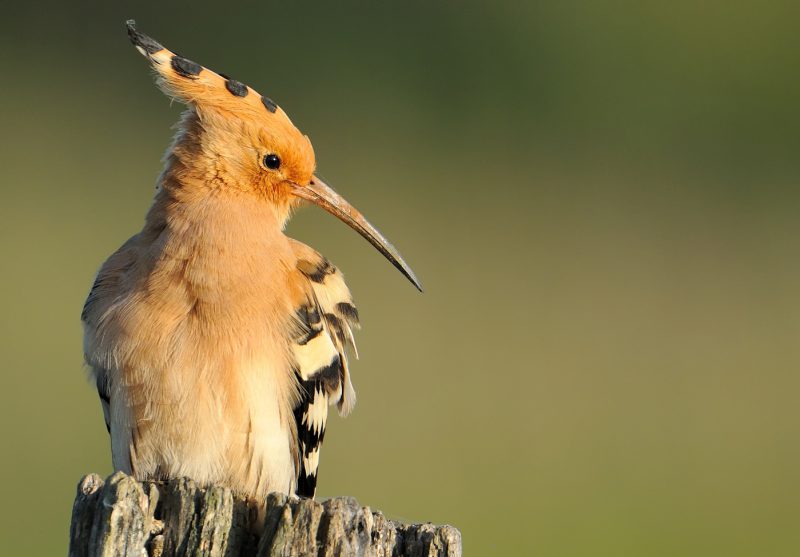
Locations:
column 245, row 130
column 191, row 83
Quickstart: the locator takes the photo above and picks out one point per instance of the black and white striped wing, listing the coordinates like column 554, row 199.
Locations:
column 325, row 323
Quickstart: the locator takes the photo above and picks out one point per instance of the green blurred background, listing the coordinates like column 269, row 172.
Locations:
column 601, row 199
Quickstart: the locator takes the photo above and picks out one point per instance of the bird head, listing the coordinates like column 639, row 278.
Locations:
column 245, row 143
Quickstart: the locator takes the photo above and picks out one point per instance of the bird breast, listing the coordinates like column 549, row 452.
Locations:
column 197, row 345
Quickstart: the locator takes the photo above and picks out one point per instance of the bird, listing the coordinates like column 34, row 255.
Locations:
column 216, row 342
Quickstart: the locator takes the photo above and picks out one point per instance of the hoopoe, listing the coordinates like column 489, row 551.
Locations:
column 216, row 342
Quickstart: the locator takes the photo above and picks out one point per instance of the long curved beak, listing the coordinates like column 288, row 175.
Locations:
column 319, row 193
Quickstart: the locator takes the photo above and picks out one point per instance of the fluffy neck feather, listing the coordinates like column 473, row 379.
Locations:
column 197, row 169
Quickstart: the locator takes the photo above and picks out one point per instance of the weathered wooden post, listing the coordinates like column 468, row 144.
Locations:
column 123, row 517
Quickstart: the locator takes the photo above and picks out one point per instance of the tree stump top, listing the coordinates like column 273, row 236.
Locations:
column 123, row 517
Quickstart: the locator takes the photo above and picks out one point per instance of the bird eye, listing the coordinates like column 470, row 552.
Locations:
column 272, row 161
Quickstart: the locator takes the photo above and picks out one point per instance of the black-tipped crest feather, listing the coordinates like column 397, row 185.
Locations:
column 148, row 44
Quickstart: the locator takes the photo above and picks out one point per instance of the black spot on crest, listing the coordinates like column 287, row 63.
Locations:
column 271, row 106
column 149, row 45
column 185, row 67
column 236, row 88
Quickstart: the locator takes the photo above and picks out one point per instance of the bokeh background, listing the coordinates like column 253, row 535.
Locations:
column 601, row 199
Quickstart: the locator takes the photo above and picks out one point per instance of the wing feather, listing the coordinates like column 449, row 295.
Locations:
column 326, row 319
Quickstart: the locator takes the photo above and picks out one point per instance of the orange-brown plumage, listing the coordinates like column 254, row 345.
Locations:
column 216, row 341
